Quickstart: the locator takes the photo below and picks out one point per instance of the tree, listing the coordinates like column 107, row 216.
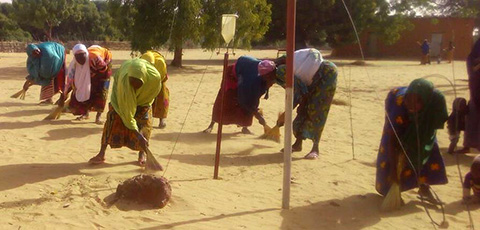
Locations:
column 325, row 21
column 196, row 21
column 9, row 29
column 44, row 15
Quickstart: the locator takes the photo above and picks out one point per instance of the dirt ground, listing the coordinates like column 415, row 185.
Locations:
column 45, row 182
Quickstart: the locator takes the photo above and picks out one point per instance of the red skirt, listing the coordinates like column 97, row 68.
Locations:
column 233, row 113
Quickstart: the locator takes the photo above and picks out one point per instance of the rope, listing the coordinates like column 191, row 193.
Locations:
column 388, row 118
column 186, row 116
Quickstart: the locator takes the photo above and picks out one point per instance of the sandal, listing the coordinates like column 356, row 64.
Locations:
column 311, row 156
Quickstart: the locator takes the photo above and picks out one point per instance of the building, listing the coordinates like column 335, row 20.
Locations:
column 438, row 30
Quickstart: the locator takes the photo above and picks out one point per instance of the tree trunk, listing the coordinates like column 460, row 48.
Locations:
column 177, row 57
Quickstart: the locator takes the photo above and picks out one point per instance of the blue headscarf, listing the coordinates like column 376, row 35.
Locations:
column 43, row 69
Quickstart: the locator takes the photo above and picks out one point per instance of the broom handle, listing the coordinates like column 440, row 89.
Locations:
column 220, row 122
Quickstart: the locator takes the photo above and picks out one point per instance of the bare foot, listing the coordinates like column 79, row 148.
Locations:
column 162, row 124
column 98, row 122
column 46, row 102
column 81, row 118
column 208, row 130
column 141, row 158
column 311, row 155
column 96, row 160
column 245, row 130
column 463, row 150
column 294, row 149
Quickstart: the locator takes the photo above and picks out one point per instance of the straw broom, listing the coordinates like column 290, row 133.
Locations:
column 55, row 114
column 273, row 133
column 152, row 164
column 20, row 94
column 393, row 199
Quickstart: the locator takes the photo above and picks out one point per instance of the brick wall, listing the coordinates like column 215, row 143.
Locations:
column 458, row 30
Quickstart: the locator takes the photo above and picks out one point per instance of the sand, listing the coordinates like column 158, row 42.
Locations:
column 45, row 182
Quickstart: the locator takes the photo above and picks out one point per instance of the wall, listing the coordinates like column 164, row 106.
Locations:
column 457, row 29
column 19, row 47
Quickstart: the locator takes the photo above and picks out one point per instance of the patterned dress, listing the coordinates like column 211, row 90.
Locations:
column 313, row 102
column 432, row 172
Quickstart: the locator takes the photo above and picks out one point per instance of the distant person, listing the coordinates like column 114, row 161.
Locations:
column 456, row 122
column 472, row 183
column 89, row 75
column 314, row 87
column 416, row 112
column 162, row 101
column 425, row 48
column 472, row 125
column 450, row 51
column 246, row 82
column 46, row 67
column 129, row 119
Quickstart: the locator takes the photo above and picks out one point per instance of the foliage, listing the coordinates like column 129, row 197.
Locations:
column 9, row 29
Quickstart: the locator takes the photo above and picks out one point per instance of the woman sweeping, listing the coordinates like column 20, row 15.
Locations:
column 162, row 101
column 89, row 74
column 46, row 67
column 315, row 83
column 129, row 119
column 246, row 82
column 416, row 112
column 472, row 120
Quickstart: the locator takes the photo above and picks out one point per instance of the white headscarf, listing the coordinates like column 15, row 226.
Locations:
column 306, row 64
column 80, row 74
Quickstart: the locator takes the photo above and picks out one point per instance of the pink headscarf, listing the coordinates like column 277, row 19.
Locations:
column 265, row 67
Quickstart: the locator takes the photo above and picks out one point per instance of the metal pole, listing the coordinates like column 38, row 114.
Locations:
column 287, row 156
column 220, row 123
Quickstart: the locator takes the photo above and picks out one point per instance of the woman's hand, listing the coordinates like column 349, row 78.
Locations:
column 143, row 141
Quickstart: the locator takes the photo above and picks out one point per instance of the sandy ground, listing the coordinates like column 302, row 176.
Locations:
column 45, row 182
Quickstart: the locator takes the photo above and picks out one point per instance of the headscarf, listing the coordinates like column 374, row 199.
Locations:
column 158, row 61
column 43, row 69
column 265, row 67
column 306, row 64
column 125, row 98
column 430, row 118
column 80, row 74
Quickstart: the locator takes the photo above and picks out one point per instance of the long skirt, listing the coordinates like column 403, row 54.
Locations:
column 57, row 85
column 98, row 96
column 472, row 126
column 432, row 172
column 117, row 135
column 233, row 113
column 312, row 111
column 161, row 104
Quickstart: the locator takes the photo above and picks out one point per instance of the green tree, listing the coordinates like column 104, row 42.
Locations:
column 326, row 21
column 196, row 21
column 9, row 29
column 44, row 15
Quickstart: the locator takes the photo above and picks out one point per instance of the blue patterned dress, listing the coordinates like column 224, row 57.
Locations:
column 432, row 172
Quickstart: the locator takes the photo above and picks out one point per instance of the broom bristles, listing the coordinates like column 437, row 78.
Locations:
column 55, row 114
column 152, row 164
column 393, row 199
column 20, row 94
column 271, row 133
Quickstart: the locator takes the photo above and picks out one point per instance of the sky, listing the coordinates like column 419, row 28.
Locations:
column 6, row 1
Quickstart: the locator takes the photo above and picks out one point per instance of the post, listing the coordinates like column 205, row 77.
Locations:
column 287, row 156
column 220, row 123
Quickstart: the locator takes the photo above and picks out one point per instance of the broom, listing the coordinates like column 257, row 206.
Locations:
column 273, row 133
column 55, row 114
column 20, row 94
column 152, row 164
column 393, row 199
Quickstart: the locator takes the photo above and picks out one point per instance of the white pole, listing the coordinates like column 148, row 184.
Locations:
column 287, row 155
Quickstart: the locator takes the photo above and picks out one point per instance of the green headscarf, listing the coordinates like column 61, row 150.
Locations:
column 430, row 118
column 125, row 98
